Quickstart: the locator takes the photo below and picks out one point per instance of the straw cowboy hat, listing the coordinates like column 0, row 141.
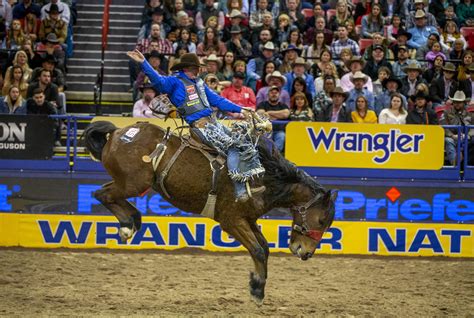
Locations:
column 213, row 58
column 187, row 60
column 413, row 67
column 459, row 96
column 449, row 67
column 299, row 61
column 359, row 75
column 275, row 74
column 338, row 90
column 269, row 46
column 236, row 14
column 420, row 14
column 355, row 59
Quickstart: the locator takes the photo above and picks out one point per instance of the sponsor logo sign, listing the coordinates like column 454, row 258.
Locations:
column 365, row 146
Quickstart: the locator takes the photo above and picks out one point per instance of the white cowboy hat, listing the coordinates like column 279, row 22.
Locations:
column 275, row 74
column 359, row 75
column 459, row 96
column 213, row 58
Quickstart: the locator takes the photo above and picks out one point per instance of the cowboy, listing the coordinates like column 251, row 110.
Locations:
column 213, row 65
column 289, row 54
column 63, row 8
column 456, row 116
column 299, row 70
column 359, row 79
column 142, row 107
column 236, row 18
column 390, row 85
column 420, row 32
column 194, row 101
column 421, row 114
column 237, row 44
column 337, row 112
column 274, row 79
column 355, row 64
column 411, row 81
column 420, row 6
column 53, row 23
column 445, row 86
column 255, row 66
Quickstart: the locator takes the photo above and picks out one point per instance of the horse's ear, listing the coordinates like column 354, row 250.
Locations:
column 334, row 193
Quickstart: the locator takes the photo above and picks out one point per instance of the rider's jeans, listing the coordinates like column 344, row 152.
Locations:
column 233, row 159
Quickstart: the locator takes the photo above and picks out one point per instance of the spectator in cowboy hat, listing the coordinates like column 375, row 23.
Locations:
column 238, row 45
column 413, row 78
column 274, row 79
column 359, row 79
column 420, row 6
column 444, row 87
column 290, row 53
column 457, row 115
column 391, row 85
column 420, row 31
column 355, row 64
column 299, row 70
column 53, row 24
column 51, row 46
column 274, row 109
column 264, row 37
column 421, row 114
column 337, row 112
column 236, row 18
column 402, row 61
column 142, row 107
column 213, row 65
column 255, row 65
column 63, row 9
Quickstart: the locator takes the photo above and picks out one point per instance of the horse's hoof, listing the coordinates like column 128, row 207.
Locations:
column 257, row 300
column 125, row 233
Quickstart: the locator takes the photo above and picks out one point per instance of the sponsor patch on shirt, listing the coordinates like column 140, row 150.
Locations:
column 193, row 96
column 130, row 134
column 190, row 89
column 192, row 103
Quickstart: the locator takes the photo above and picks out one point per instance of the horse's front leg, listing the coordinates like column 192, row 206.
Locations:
column 242, row 232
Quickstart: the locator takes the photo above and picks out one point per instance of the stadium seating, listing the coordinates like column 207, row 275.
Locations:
column 330, row 13
column 440, row 110
column 467, row 31
column 365, row 43
column 308, row 13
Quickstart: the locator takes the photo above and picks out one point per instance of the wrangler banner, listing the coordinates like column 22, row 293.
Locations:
column 340, row 145
column 168, row 233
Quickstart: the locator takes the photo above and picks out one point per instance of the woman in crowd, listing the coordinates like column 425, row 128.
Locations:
column 395, row 114
column 343, row 14
column 13, row 103
column 393, row 28
column 346, row 56
column 299, row 86
column 313, row 51
column 329, row 70
column 15, row 37
column 211, row 39
column 362, row 114
column 183, row 37
column 21, row 59
column 268, row 68
column 283, row 28
column 351, row 30
column 300, row 109
column 227, row 68
column 373, row 22
column 294, row 38
column 436, row 71
column 16, row 79
column 324, row 58
column 450, row 34
column 467, row 59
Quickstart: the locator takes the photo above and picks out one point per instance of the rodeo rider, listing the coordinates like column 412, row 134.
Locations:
column 194, row 102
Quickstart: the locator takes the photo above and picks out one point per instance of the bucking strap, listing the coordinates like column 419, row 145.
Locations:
column 170, row 163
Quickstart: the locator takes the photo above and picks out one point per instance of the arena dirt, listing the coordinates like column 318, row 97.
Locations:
column 38, row 282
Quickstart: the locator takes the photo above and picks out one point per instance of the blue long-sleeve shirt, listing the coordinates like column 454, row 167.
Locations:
column 176, row 91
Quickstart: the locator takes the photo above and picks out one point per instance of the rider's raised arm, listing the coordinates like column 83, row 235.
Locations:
column 164, row 84
column 221, row 102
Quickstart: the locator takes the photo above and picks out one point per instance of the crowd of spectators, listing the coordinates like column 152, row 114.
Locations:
column 36, row 40
column 379, row 61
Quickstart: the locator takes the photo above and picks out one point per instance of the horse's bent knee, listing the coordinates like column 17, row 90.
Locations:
column 260, row 254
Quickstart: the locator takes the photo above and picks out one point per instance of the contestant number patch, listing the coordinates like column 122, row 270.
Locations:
column 130, row 134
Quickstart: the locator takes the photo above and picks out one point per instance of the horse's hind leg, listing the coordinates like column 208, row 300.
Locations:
column 263, row 243
column 243, row 232
column 127, row 215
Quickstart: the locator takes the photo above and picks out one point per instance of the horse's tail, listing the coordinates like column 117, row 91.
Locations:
column 96, row 136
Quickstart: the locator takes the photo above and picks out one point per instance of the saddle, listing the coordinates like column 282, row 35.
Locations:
column 216, row 160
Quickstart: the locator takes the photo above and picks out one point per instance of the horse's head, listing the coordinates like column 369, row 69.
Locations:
column 310, row 221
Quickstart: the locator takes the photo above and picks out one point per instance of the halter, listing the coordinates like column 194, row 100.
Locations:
column 315, row 235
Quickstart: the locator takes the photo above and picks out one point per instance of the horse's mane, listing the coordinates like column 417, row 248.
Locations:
column 281, row 174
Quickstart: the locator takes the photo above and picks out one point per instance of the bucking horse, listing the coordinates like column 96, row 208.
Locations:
column 183, row 177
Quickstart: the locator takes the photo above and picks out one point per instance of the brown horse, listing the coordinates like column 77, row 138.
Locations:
column 189, row 181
